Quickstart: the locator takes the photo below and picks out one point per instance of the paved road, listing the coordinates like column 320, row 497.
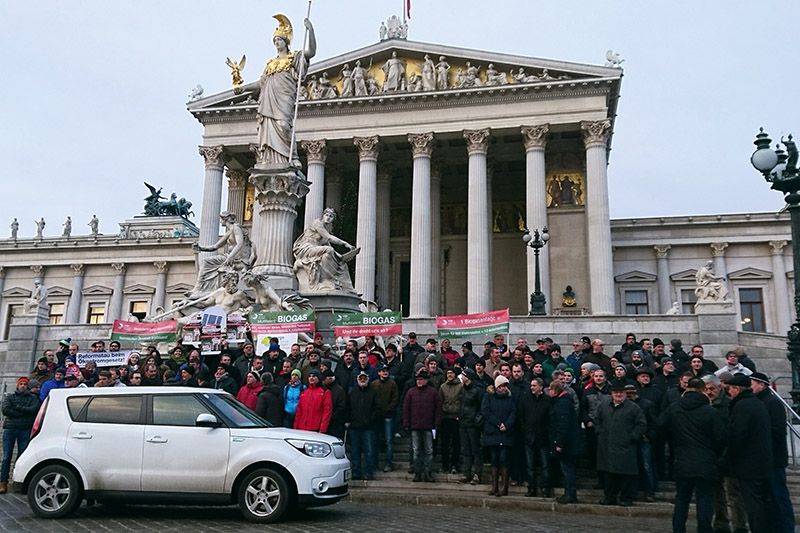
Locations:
column 346, row 516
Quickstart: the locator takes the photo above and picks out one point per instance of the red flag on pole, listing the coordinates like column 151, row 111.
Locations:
column 408, row 9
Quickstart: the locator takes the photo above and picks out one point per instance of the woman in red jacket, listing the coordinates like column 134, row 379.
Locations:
column 315, row 406
column 248, row 394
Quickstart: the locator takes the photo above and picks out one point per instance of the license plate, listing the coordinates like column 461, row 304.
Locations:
column 347, row 475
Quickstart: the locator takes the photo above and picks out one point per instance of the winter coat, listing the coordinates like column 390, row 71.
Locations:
column 338, row 410
column 269, row 405
column 344, row 374
column 652, row 394
column 48, row 385
column 362, row 407
column 370, row 370
column 498, row 409
column 314, row 409
column 698, row 436
column 549, row 365
column 20, row 409
column 248, row 394
column 750, row 456
column 388, row 396
column 436, row 379
column 451, row 393
column 226, row 383
column 470, row 412
column 664, row 383
column 564, row 428
column 650, row 415
column 291, row 397
column 395, row 370
column 591, row 400
column 777, row 417
column 409, row 357
column 533, row 418
column 619, row 430
column 422, row 408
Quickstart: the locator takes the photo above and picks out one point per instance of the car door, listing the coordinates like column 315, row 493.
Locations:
column 105, row 440
column 179, row 456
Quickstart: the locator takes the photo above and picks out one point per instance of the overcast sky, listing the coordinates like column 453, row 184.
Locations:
column 92, row 93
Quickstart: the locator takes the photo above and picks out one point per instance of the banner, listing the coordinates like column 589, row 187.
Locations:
column 103, row 359
column 360, row 324
column 144, row 332
column 460, row 326
column 285, row 341
column 277, row 322
column 213, row 320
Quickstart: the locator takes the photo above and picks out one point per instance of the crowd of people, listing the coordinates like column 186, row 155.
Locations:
column 635, row 416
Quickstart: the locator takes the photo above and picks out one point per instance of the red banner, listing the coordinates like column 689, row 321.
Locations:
column 153, row 332
column 473, row 325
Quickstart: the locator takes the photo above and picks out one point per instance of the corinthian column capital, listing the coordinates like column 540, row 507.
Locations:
column 662, row 250
column 367, row 148
column 237, row 179
column 477, row 141
column 317, row 151
column 535, row 136
column 212, row 156
column 421, row 144
column 776, row 247
column 595, row 132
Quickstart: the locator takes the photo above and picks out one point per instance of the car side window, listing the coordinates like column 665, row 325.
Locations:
column 176, row 409
column 122, row 409
column 75, row 404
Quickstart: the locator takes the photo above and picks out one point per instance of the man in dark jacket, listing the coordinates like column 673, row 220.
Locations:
column 499, row 418
column 19, row 409
column 338, row 404
column 783, row 513
column 564, row 435
column 269, row 405
column 590, row 402
column 344, row 370
column 223, row 380
column 620, row 426
column 388, row 398
column 647, row 474
column 468, row 357
column 469, row 427
column 362, row 410
column 450, row 392
column 698, row 435
column 532, row 421
column 409, row 357
column 750, row 457
column 422, row 413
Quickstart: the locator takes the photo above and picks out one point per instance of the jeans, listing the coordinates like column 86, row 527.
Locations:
column 570, row 480
column 362, row 440
column 388, row 437
column 451, row 443
column 471, row 452
column 684, row 487
column 498, row 456
column 647, row 468
column 422, row 448
column 20, row 437
column 783, row 514
column 533, row 454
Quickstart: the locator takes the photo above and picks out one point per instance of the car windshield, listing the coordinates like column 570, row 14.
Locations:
column 235, row 413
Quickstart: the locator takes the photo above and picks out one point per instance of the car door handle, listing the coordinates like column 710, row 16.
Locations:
column 82, row 436
column 157, row 440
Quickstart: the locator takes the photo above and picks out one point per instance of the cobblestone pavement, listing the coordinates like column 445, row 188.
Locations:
column 345, row 516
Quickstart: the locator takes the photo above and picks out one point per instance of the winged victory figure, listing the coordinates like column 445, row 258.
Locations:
column 236, row 73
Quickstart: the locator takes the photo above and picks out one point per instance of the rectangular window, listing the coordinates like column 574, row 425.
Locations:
column 57, row 313
column 114, row 410
column 96, row 314
column 138, row 309
column 11, row 311
column 636, row 303
column 751, row 305
column 176, row 410
column 688, row 299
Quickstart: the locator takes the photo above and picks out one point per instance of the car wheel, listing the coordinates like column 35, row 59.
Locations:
column 54, row 491
column 263, row 496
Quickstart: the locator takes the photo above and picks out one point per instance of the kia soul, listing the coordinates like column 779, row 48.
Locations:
column 173, row 445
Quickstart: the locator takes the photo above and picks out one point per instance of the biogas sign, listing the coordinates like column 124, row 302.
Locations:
column 359, row 324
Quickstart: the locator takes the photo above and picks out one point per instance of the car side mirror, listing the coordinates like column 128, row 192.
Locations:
column 206, row 420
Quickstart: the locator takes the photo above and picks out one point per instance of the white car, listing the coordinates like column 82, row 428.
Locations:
column 173, row 445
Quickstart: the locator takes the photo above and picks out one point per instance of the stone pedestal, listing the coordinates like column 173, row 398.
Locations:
column 23, row 336
column 142, row 227
column 716, row 323
column 278, row 194
column 326, row 305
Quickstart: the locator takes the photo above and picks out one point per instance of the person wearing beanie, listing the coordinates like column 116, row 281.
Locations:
column 269, row 404
column 362, row 413
column 41, row 371
column 19, row 409
column 553, row 360
column 422, row 413
column 499, row 416
column 248, row 393
column 291, row 396
column 314, row 407
column 388, row 398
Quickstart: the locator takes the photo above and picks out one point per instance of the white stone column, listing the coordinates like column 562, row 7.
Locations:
column 436, row 241
column 718, row 254
column 160, row 296
column 595, row 137
column 783, row 304
column 366, row 224
column 419, row 304
column 383, row 267
column 333, row 190
column 534, row 139
column 237, row 189
column 212, row 197
column 317, row 152
column 2, row 288
column 74, row 304
column 479, row 229
column 115, row 306
column 664, row 290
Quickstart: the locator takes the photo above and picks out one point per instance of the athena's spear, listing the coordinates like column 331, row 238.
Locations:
column 300, row 75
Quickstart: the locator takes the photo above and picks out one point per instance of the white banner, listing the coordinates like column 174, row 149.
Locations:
column 103, row 359
column 285, row 340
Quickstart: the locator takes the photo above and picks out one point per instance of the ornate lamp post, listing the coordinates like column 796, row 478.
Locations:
column 780, row 169
column 537, row 242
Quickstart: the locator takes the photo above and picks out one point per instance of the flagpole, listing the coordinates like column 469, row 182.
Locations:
column 300, row 75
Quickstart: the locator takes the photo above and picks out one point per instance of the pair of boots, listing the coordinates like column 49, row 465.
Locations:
column 496, row 473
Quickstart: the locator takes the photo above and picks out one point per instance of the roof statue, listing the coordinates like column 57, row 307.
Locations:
column 236, row 73
column 173, row 207
column 394, row 28
column 613, row 60
column 196, row 93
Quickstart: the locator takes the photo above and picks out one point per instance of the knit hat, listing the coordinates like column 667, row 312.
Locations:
column 500, row 380
column 296, row 372
column 274, row 347
column 34, row 384
column 42, row 360
column 65, row 342
column 657, row 342
column 470, row 374
column 467, row 345
column 60, row 370
column 759, row 376
column 315, row 372
column 739, row 380
column 24, row 380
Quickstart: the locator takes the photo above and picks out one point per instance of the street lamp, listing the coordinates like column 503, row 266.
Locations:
column 780, row 169
column 537, row 242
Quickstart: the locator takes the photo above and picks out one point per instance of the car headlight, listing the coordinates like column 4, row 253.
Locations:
column 311, row 448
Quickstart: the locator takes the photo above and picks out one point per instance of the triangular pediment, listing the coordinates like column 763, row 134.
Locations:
column 179, row 288
column 634, row 276
column 97, row 290
column 750, row 273
column 536, row 74
column 58, row 291
column 684, row 275
column 138, row 289
column 17, row 292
